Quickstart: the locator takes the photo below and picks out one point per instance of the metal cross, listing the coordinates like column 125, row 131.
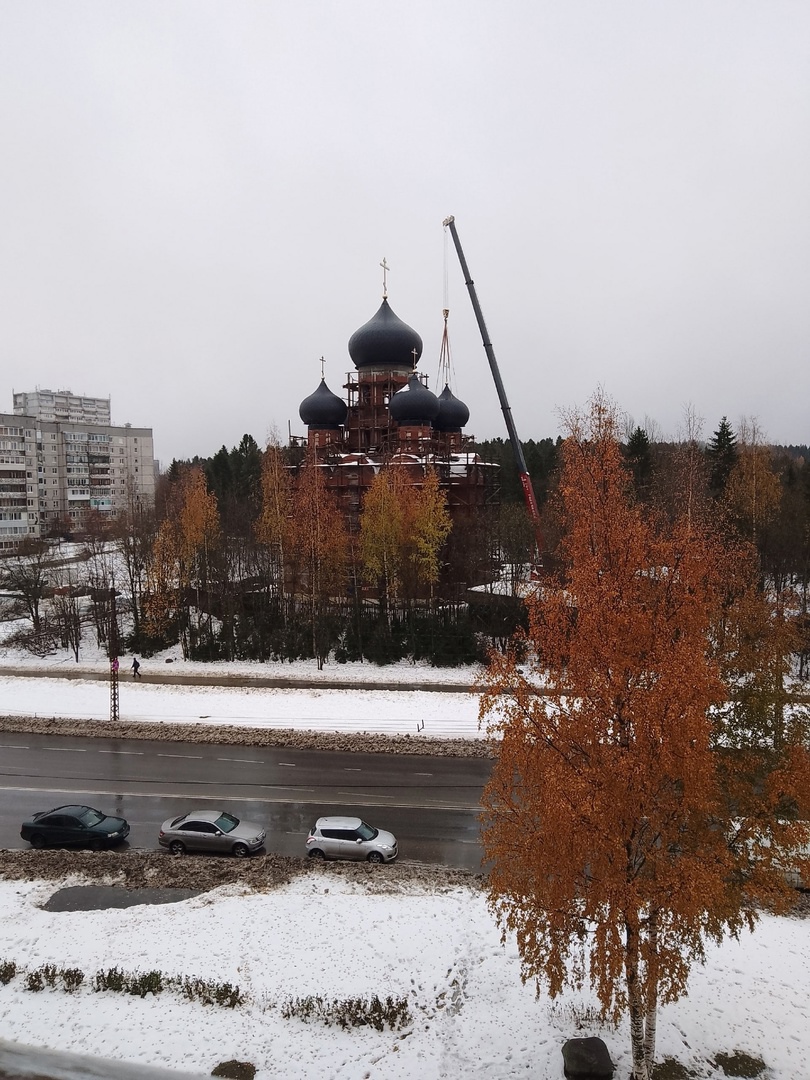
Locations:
column 415, row 353
column 322, row 364
column 385, row 269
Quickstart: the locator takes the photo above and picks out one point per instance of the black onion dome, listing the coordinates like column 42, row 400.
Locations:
column 323, row 409
column 453, row 413
column 385, row 341
column 414, row 404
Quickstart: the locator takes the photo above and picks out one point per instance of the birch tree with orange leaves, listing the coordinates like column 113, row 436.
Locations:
column 182, row 560
column 616, row 853
column 320, row 547
column 275, row 524
column 403, row 528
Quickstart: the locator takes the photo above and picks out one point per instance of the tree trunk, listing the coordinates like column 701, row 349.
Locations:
column 651, row 1017
column 635, row 1000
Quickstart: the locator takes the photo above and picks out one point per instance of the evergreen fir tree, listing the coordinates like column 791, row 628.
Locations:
column 721, row 450
column 639, row 459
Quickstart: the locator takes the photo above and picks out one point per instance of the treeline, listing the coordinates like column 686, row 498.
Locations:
column 250, row 557
column 247, row 555
column 382, row 606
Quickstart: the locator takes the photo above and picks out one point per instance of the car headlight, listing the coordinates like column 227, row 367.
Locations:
column 114, row 834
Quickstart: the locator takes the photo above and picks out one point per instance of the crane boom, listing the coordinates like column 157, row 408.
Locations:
column 517, row 449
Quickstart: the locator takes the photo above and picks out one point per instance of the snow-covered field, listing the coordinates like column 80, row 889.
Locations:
column 325, row 936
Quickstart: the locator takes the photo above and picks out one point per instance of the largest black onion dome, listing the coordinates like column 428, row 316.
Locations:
column 385, row 341
column 414, row 404
column 323, row 409
column 453, row 413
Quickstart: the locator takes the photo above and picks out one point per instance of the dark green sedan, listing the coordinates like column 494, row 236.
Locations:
column 74, row 826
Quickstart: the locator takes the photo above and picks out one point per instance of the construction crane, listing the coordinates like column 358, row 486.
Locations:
column 517, row 449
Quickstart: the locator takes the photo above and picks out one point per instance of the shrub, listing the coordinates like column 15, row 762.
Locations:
column 111, row 979
column 8, row 969
column 72, row 978
column 212, row 993
column 350, row 1012
column 149, row 983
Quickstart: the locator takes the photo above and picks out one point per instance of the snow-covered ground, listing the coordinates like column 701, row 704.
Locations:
column 326, row 936
column 404, row 712
column 323, row 935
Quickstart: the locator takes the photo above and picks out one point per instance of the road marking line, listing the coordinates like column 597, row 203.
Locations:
column 423, row 774
column 287, row 764
column 365, row 795
column 119, row 793
column 131, row 753
column 123, row 793
column 186, row 757
column 352, row 770
column 65, row 749
column 13, row 746
column 247, row 760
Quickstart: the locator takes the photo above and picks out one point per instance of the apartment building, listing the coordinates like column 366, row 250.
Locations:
column 19, row 511
column 62, row 406
column 53, row 472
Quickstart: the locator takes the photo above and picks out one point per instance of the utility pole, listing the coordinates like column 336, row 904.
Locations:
column 112, row 644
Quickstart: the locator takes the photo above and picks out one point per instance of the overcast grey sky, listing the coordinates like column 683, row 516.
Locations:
column 196, row 197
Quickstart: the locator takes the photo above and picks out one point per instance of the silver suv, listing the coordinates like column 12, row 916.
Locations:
column 350, row 838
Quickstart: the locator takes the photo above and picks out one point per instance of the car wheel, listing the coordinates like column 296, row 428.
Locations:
column 316, row 853
column 375, row 856
column 96, row 845
column 37, row 841
column 177, row 847
column 240, row 851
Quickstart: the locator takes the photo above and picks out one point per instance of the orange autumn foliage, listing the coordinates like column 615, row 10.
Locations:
column 615, row 851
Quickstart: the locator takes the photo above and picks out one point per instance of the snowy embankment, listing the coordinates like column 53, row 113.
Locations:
column 303, row 704
column 340, row 935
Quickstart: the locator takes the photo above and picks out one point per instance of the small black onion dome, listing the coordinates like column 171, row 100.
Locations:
column 323, row 409
column 385, row 341
column 414, row 404
column 453, row 413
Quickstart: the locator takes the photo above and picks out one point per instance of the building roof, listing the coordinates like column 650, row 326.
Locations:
column 385, row 341
column 323, row 409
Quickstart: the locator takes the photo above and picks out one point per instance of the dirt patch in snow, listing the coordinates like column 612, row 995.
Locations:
column 355, row 742
column 159, row 870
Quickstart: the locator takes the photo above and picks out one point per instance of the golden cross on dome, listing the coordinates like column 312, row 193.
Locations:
column 385, row 269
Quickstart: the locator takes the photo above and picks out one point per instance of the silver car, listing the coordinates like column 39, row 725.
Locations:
column 211, row 830
column 350, row 838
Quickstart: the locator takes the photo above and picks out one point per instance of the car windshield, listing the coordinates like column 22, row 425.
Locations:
column 226, row 822
column 365, row 832
column 90, row 818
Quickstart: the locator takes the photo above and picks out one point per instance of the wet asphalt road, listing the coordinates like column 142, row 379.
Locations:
column 430, row 803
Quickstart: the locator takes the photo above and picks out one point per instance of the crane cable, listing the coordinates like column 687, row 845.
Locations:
column 446, row 372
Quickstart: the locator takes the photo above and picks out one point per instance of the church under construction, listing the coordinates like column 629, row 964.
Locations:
column 391, row 419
